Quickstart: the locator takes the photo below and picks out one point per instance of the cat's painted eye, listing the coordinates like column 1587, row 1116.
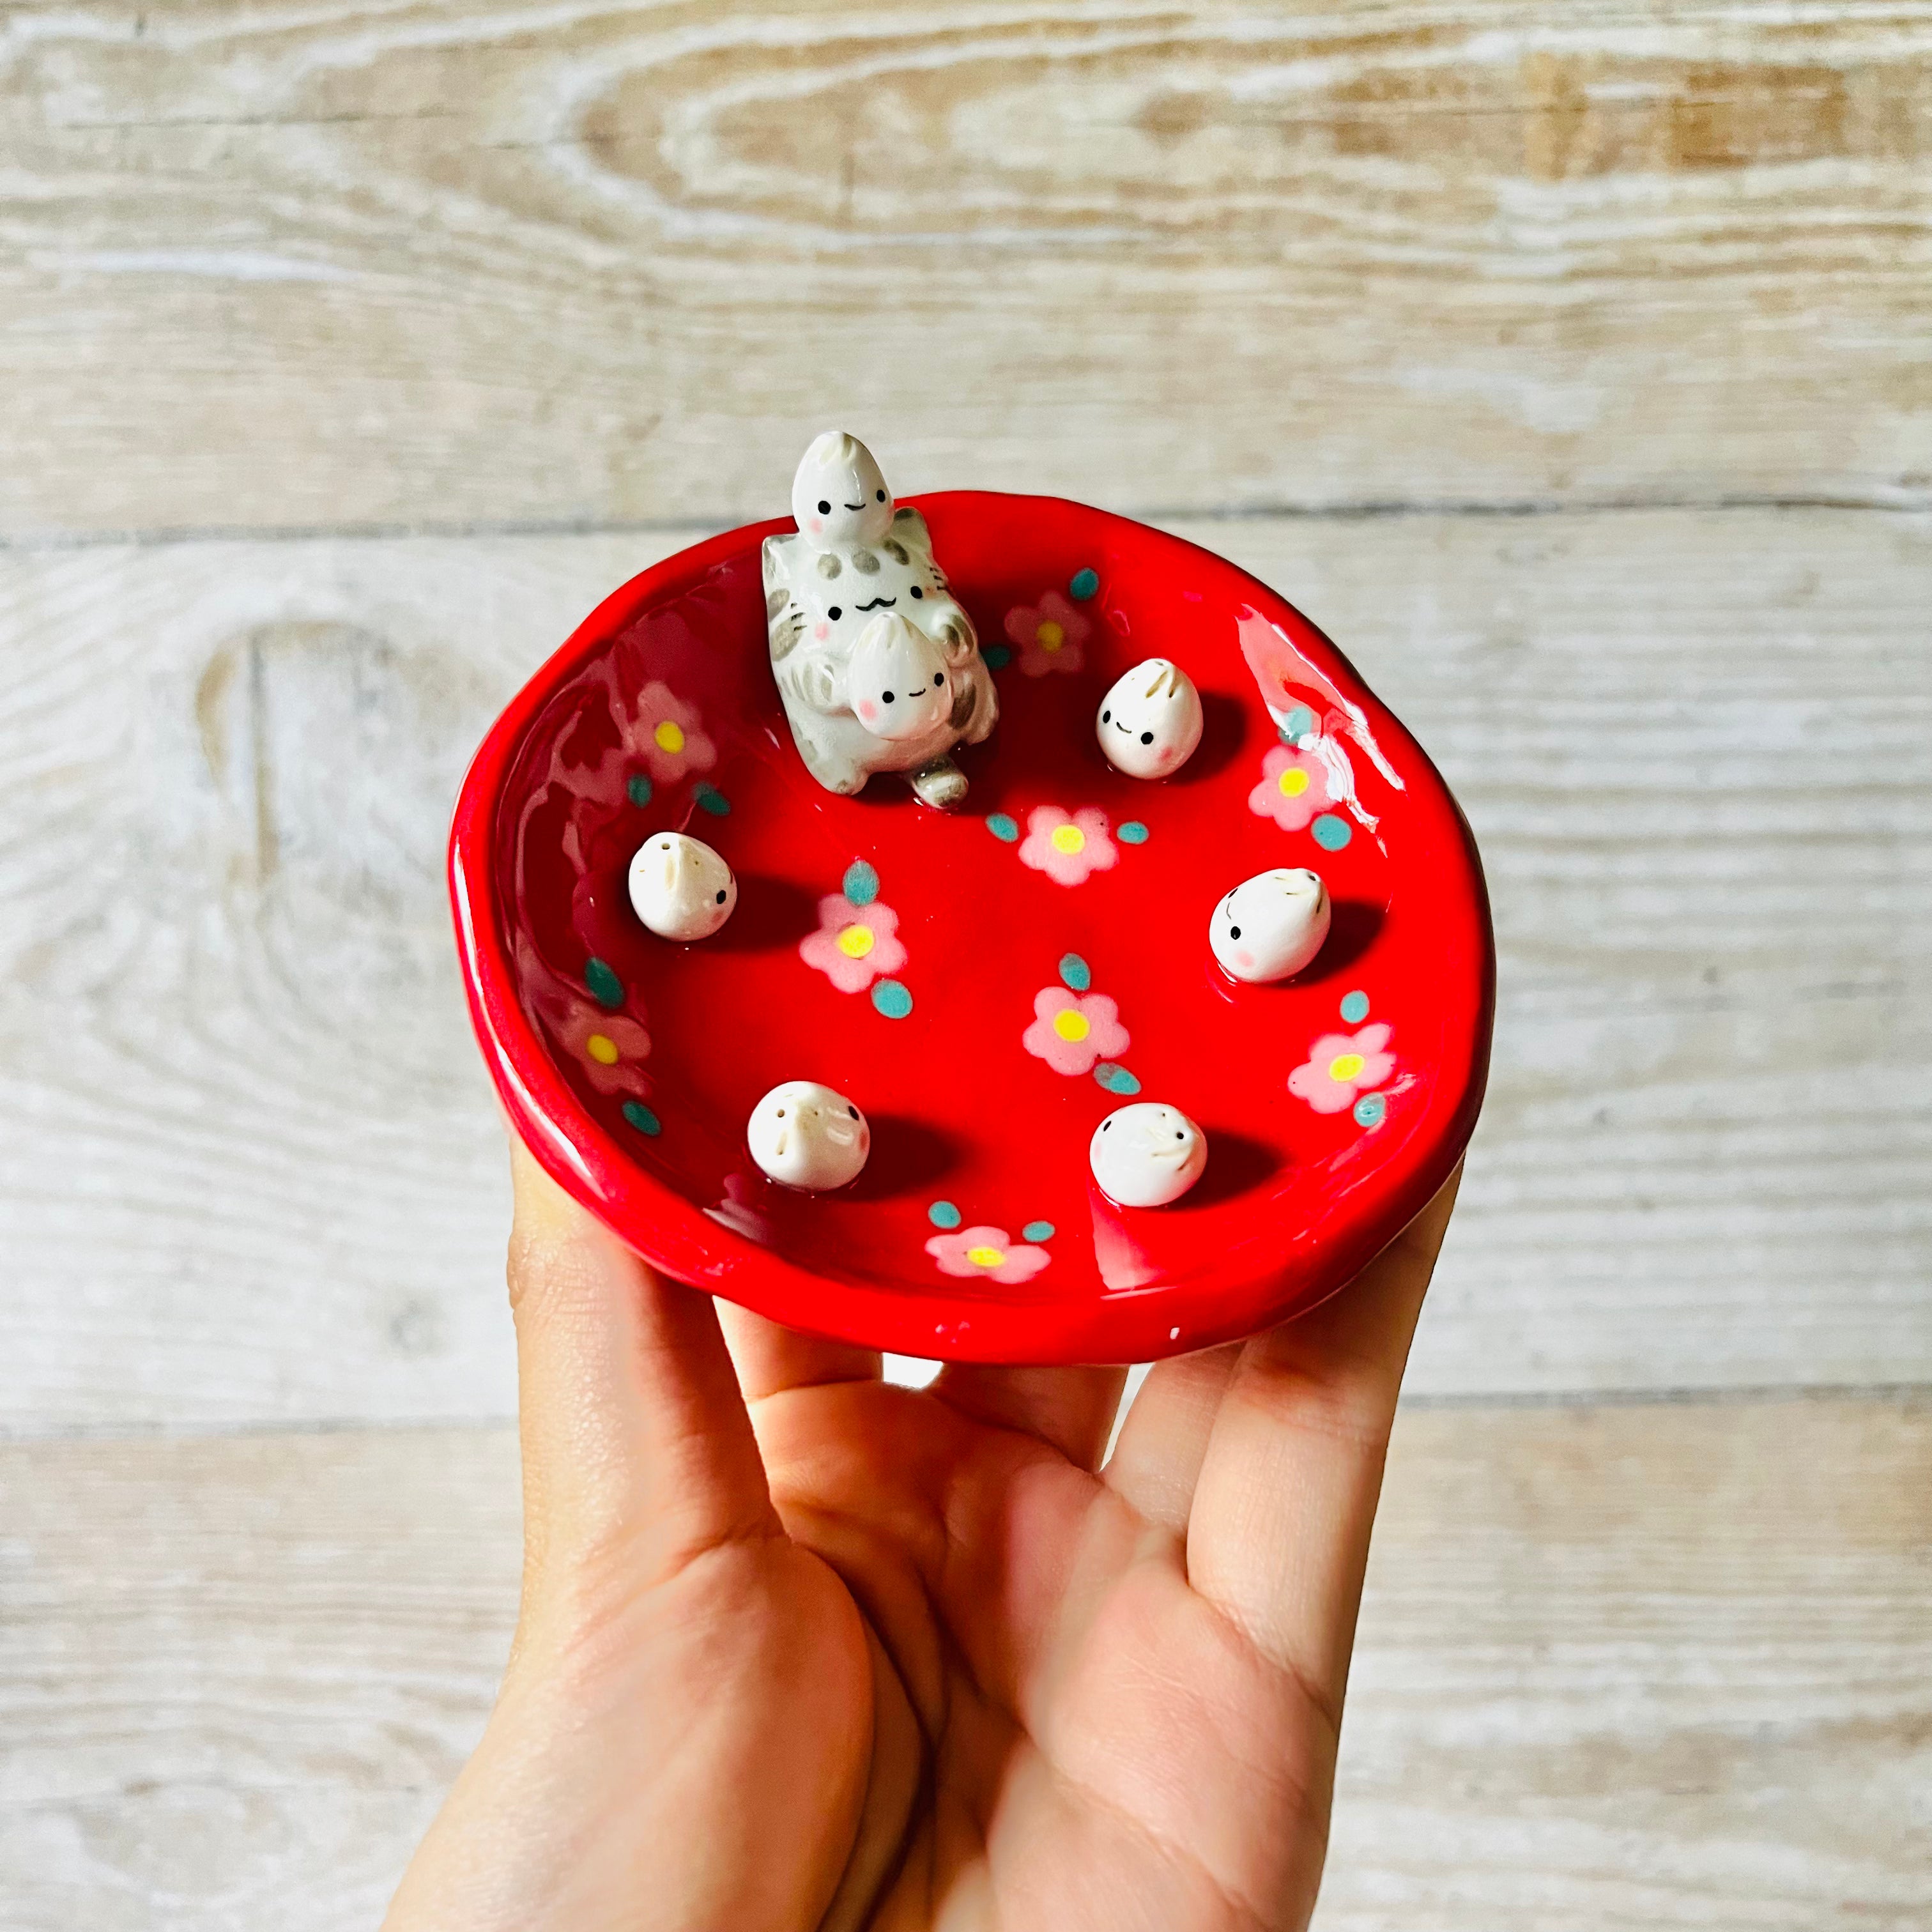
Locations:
column 824, row 508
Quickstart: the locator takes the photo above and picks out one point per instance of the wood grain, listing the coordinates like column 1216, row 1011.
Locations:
column 1630, row 1667
column 253, row 1172
column 291, row 265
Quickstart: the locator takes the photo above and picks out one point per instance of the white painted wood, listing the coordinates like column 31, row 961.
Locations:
column 1648, row 1665
column 1697, row 753
column 308, row 264
column 1644, row 1667
column 251, row 1170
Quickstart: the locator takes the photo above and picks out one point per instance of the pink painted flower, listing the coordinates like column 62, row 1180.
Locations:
column 1067, row 846
column 610, row 1048
column 1070, row 1032
column 1050, row 635
column 987, row 1252
column 664, row 733
column 853, row 944
column 1293, row 787
column 1339, row 1065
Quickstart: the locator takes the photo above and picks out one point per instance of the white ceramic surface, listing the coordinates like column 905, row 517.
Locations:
column 680, row 888
column 1149, row 724
column 1147, row 1154
column 808, row 1136
column 1270, row 926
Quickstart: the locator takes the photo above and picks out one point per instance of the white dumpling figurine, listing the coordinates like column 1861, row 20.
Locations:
column 833, row 471
column 1271, row 926
column 808, row 1136
column 1146, row 1155
column 1149, row 723
column 680, row 888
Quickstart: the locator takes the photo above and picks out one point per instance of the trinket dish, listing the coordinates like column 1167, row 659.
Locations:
column 986, row 985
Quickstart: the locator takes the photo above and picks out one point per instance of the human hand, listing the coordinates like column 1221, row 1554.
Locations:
column 799, row 1649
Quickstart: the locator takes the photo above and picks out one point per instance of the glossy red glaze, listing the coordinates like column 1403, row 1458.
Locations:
column 1294, row 1201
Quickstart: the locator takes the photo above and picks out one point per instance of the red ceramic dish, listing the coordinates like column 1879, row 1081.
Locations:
column 987, row 986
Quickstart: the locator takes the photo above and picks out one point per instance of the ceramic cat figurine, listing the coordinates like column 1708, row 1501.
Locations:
column 876, row 661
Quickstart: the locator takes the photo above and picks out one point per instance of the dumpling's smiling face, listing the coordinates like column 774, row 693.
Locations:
column 838, row 495
column 1149, row 723
column 896, row 682
column 1271, row 926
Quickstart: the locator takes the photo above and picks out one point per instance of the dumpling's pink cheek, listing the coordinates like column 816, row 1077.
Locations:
column 1244, row 958
column 821, row 630
column 869, row 710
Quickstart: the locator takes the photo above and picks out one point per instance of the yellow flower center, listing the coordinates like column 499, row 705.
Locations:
column 1049, row 636
column 1068, row 838
column 602, row 1048
column 670, row 737
column 855, row 941
column 1345, row 1067
column 985, row 1258
column 1071, row 1025
column 1293, row 782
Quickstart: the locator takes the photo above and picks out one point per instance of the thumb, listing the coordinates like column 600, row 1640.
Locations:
column 637, row 1452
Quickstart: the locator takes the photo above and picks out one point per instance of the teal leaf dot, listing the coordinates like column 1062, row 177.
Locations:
column 1003, row 827
column 1116, row 1079
column 892, row 999
column 1075, row 972
column 1037, row 1231
column 1355, row 1007
column 943, row 1214
column 711, row 799
column 1371, row 1110
column 860, row 884
column 606, row 988
column 1331, row 833
column 1083, row 583
column 1298, row 724
column 998, row 657
column 1133, row 833
column 641, row 1117
column 639, row 789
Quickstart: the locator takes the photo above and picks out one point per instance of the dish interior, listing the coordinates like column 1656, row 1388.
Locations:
column 989, row 985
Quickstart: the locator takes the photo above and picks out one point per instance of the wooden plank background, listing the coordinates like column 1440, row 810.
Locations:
column 1572, row 366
